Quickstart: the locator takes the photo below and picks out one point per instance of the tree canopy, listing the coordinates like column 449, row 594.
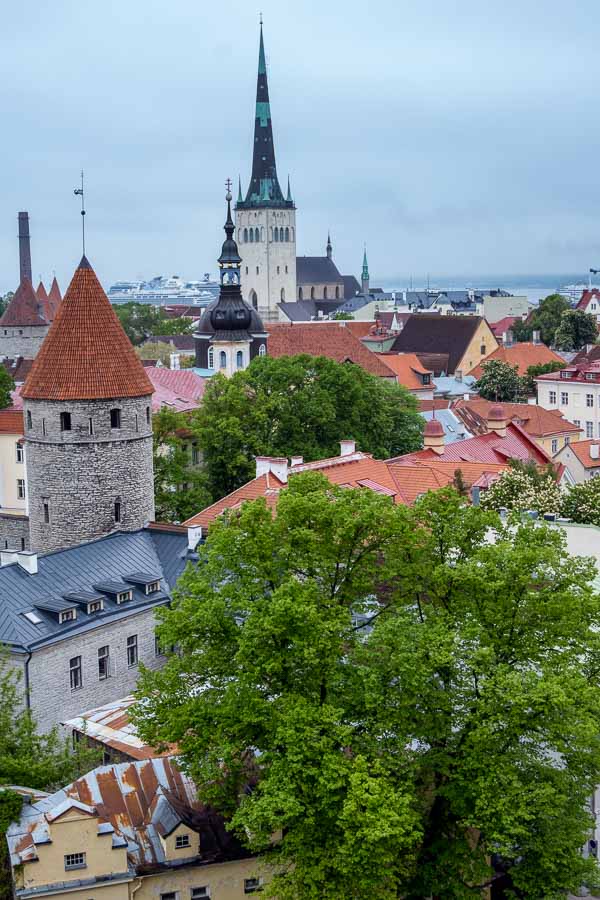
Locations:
column 581, row 502
column 7, row 385
column 180, row 488
column 577, row 328
column 141, row 320
column 407, row 696
column 500, row 382
column 524, row 486
column 547, row 316
column 299, row 405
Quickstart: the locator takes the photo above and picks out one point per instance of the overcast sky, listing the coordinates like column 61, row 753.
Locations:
column 453, row 137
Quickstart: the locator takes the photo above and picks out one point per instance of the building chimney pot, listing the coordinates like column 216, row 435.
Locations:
column 275, row 465
column 194, row 534
column 537, row 337
column 347, row 448
column 296, row 460
column 7, row 557
column 174, row 361
column 28, row 561
column 595, row 451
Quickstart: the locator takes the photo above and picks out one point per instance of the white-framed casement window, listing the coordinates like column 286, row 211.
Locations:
column 75, row 675
column 589, row 400
column 551, row 396
column 589, row 429
column 19, row 451
column 564, row 398
column 555, row 445
column 21, row 488
column 75, row 861
column 181, row 841
column 132, row 650
column 103, row 663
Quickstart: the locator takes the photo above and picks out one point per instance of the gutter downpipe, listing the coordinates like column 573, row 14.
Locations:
column 27, row 697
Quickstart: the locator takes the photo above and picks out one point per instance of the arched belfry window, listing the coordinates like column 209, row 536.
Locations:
column 252, row 235
column 312, row 293
column 254, row 299
column 245, row 235
column 239, row 359
column 325, row 293
column 287, row 234
column 276, row 234
column 337, row 292
column 262, row 350
column 282, row 294
column 300, row 294
column 262, row 233
column 256, row 235
column 281, row 234
column 222, row 359
column 292, row 233
column 211, row 357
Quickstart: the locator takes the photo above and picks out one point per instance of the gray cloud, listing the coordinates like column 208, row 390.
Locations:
column 451, row 137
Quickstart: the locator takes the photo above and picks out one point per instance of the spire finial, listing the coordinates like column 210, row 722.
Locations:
column 261, row 20
column 79, row 192
column 240, row 199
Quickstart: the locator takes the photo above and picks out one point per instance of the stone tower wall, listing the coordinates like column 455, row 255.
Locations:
column 268, row 266
column 24, row 340
column 80, row 475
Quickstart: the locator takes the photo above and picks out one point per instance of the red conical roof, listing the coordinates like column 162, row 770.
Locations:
column 24, row 308
column 43, row 301
column 55, row 297
column 86, row 354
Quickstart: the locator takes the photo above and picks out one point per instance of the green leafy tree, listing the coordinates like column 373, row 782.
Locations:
column 158, row 350
column 524, row 486
column 581, row 502
column 179, row 325
column 7, row 385
column 577, row 328
column 403, row 700
column 343, row 316
column 529, row 384
column 521, row 330
column 180, row 488
column 299, row 405
column 28, row 758
column 547, row 316
column 138, row 320
column 500, row 382
column 5, row 300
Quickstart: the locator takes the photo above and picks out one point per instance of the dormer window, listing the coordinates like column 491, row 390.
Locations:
column 67, row 615
column 153, row 587
column 95, row 606
column 426, row 379
column 565, row 374
column 123, row 596
column 589, row 376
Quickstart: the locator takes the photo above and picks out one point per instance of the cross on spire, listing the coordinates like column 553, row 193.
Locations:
column 79, row 192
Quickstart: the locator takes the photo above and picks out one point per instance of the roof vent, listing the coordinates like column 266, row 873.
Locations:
column 347, row 448
column 296, row 460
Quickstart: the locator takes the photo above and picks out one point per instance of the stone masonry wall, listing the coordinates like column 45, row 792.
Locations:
column 23, row 341
column 80, row 473
column 53, row 701
column 14, row 530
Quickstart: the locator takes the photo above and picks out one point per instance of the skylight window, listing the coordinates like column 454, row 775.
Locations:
column 33, row 618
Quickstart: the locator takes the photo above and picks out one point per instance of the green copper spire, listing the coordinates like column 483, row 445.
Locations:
column 289, row 193
column 262, row 66
column 240, row 198
column 365, row 273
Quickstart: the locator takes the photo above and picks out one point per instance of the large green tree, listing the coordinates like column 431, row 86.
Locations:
column 180, row 484
column 300, row 405
column 411, row 706
column 28, row 758
column 581, row 502
column 547, row 316
column 525, row 486
column 500, row 382
column 141, row 320
column 577, row 328
column 7, row 385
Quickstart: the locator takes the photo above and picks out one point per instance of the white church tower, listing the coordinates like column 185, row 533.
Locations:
column 265, row 219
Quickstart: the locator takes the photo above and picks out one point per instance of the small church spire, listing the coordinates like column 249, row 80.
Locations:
column 365, row 273
column 329, row 247
column 289, row 192
column 240, row 198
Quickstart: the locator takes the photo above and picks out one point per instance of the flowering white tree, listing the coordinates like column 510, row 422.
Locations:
column 524, row 487
column 581, row 503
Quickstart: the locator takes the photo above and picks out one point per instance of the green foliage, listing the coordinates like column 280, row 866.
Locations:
column 7, row 385
column 521, row 331
column 27, row 758
column 299, row 405
column 343, row 316
column 524, row 486
column 179, row 486
column 397, row 758
column 546, row 318
column 529, row 385
column 5, row 300
column 141, row 320
column 581, row 502
column 500, row 382
column 577, row 328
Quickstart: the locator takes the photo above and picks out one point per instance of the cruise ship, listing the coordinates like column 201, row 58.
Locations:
column 165, row 291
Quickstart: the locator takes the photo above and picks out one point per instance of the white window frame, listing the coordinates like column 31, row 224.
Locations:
column 105, row 659
column 132, row 645
column 21, row 489
column 19, row 451
column 182, row 841
column 76, row 683
column 75, row 861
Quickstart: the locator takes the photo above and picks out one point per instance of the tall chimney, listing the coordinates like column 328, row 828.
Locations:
column 24, row 247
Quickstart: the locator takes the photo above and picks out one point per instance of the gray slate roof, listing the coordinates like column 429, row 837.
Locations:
column 307, row 310
column 77, row 569
column 317, row 270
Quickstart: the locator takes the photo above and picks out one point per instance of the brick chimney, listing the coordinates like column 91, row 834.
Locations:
column 277, row 466
column 24, row 247
column 433, row 437
column 497, row 420
column 347, row 448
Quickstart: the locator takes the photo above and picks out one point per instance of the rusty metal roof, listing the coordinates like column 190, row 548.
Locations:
column 139, row 803
column 110, row 725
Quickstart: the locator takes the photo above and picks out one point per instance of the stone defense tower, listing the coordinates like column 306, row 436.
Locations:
column 88, row 425
column 230, row 333
column 265, row 219
column 23, row 326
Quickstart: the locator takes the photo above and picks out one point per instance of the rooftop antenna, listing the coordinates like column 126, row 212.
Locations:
column 79, row 192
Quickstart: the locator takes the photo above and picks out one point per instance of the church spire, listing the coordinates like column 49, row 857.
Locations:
column 264, row 188
column 329, row 247
column 365, row 273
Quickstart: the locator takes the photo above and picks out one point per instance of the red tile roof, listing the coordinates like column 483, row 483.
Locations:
column 55, row 297
column 86, row 354
column 485, row 448
column 584, row 370
column 581, row 449
column 180, row 389
column 536, row 420
column 24, row 308
column 44, row 302
column 437, row 403
column 407, row 368
column 505, row 324
column 11, row 421
column 521, row 355
column 331, row 339
column 586, row 298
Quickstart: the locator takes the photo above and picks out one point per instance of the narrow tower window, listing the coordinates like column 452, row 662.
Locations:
column 282, row 294
column 287, row 234
column 239, row 359
column 211, row 358
column 252, row 235
column 324, row 293
column 91, row 425
column 65, row 421
column 256, row 235
column 281, row 234
column 300, row 294
column 222, row 359
column 276, row 234
column 46, row 506
column 28, row 418
column 147, row 415
column 337, row 292
column 115, row 418
column 245, row 235
column 117, row 510
column 312, row 293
